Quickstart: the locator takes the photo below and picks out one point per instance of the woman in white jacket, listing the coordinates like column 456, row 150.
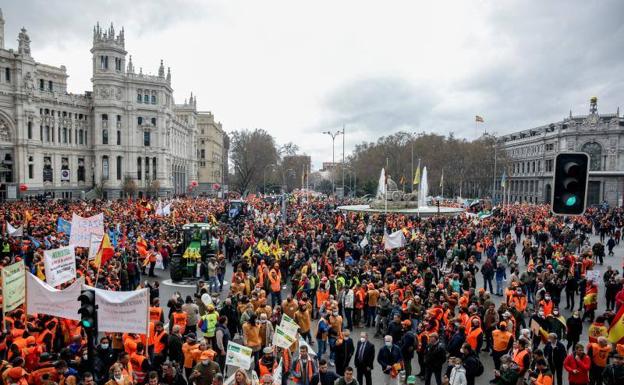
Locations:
column 458, row 374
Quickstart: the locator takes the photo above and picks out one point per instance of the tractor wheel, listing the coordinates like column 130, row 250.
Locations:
column 176, row 268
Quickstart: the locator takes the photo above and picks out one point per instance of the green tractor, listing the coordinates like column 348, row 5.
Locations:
column 199, row 243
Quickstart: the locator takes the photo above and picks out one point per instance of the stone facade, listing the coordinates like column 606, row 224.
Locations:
column 127, row 131
column 212, row 147
column 531, row 157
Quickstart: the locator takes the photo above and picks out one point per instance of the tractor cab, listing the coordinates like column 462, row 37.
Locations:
column 199, row 244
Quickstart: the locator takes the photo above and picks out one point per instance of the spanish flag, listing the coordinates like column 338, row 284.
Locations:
column 141, row 246
column 616, row 330
column 105, row 252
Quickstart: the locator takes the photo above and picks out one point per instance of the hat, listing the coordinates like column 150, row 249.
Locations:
column 191, row 336
column 267, row 350
column 205, row 355
column 406, row 322
column 411, row 379
column 503, row 324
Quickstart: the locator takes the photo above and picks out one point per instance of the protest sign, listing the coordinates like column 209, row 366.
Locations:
column 238, row 355
column 282, row 338
column 13, row 286
column 82, row 228
column 289, row 326
column 94, row 245
column 60, row 265
column 42, row 298
column 123, row 311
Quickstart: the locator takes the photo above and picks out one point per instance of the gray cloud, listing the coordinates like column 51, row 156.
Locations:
column 58, row 22
column 379, row 105
column 541, row 59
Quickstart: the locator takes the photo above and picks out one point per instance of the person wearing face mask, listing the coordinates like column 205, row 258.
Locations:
column 557, row 323
column 364, row 359
column 539, row 326
column 335, row 330
column 390, row 360
column 344, row 352
column 574, row 329
column 555, row 354
column 546, row 305
column 205, row 371
column 457, row 375
column 507, row 374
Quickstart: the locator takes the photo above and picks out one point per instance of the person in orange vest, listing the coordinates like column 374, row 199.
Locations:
column 304, row 367
column 544, row 376
column 547, row 304
column 502, row 342
column 187, row 350
column 16, row 376
column 475, row 337
column 522, row 357
column 275, row 280
column 178, row 317
column 156, row 312
column 140, row 364
column 599, row 355
column 267, row 363
column 160, row 345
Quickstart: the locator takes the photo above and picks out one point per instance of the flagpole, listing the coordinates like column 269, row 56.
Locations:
column 412, row 173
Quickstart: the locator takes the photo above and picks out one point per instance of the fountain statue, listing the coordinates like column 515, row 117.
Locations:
column 389, row 196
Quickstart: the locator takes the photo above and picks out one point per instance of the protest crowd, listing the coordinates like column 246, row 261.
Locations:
column 307, row 299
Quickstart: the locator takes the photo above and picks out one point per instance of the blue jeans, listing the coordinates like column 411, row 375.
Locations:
column 212, row 284
column 220, row 277
column 349, row 318
column 321, row 347
column 499, row 287
column 276, row 298
column 332, row 345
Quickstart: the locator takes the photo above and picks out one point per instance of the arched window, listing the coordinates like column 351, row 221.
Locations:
column 595, row 155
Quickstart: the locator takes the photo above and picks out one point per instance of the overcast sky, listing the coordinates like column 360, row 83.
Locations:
column 298, row 68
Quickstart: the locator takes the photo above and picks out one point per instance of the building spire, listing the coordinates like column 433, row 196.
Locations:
column 130, row 66
column 161, row 70
column 169, row 74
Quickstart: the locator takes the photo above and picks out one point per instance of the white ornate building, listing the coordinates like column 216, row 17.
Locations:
column 531, row 157
column 127, row 129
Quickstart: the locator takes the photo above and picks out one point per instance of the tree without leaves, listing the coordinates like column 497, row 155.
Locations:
column 251, row 152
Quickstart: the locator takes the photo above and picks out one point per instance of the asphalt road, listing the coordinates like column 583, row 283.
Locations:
column 167, row 290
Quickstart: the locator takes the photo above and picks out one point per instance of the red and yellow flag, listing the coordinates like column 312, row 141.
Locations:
column 616, row 330
column 141, row 246
column 105, row 252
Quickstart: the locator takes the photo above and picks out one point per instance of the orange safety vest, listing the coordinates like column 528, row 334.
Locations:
column 599, row 354
column 310, row 369
column 159, row 346
column 155, row 313
column 136, row 360
column 473, row 337
column 276, row 283
column 180, row 320
column 321, row 297
column 547, row 306
column 501, row 340
column 518, row 358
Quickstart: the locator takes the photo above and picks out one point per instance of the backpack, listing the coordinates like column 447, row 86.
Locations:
column 474, row 366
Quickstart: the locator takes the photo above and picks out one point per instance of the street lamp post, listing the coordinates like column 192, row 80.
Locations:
column 333, row 136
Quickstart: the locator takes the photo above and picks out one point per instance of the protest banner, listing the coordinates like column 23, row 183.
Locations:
column 593, row 275
column 277, row 373
column 123, row 311
column 60, row 265
column 42, row 298
column 282, row 338
column 238, row 355
column 289, row 326
column 94, row 245
column 82, row 228
column 13, row 286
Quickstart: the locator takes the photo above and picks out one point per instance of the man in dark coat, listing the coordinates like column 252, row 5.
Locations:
column 388, row 357
column 435, row 356
column 555, row 354
column 364, row 359
column 408, row 346
column 344, row 352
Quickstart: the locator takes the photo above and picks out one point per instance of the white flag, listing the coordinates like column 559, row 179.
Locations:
column 394, row 240
column 159, row 209
column 364, row 242
column 13, row 232
column 167, row 210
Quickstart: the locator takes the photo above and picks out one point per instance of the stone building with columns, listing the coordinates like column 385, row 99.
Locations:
column 127, row 131
column 531, row 157
column 212, row 147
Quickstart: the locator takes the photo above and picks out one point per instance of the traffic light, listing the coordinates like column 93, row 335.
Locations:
column 88, row 310
column 570, row 183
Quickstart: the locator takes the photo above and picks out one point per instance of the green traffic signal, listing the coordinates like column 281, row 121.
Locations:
column 571, row 201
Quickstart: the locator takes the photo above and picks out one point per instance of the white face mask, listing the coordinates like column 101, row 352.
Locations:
column 119, row 379
column 388, row 344
column 362, row 340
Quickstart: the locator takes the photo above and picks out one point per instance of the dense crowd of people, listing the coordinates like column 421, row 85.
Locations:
column 432, row 302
